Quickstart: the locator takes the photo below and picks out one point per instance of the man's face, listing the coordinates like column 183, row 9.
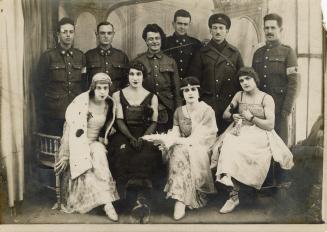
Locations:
column 181, row 25
column 105, row 35
column 153, row 41
column 66, row 35
column 218, row 32
column 272, row 30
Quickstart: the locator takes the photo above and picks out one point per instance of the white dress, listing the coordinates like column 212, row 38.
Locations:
column 246, row 157
column 96, row 186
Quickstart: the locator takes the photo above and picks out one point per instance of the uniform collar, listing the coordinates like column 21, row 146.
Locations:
column 274, row 43
column 154, row 55
column 180, row 38
column 218, row 46
column 65, row 52
column 104, row 52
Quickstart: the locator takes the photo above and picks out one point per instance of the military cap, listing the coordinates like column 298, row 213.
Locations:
column 219, row 18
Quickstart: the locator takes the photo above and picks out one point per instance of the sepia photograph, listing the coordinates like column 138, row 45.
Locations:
column 162, row 115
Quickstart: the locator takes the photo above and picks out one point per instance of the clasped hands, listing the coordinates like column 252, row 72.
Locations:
column 246, row 114
column 137, row 144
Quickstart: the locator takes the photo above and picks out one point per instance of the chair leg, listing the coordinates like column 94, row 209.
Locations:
column 58, row 193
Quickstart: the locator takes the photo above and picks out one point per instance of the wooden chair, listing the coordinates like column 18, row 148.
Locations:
column 47, row 148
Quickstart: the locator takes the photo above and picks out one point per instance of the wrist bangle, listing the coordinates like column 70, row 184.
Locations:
column 251, row 119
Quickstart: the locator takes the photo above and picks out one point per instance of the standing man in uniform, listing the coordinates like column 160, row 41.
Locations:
column 61, row 77
column 216, row 65
column 180, row 46
column 162, row 78
column 107, row 59
column 276, row 65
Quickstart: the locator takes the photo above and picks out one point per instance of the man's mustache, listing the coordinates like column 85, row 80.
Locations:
column 269, row 34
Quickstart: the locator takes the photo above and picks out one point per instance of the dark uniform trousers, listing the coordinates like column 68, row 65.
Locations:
column 276, row 65
column 181, row 49
column 217, row 74
column 163, row 80
column 58, row 82
column 113, row 61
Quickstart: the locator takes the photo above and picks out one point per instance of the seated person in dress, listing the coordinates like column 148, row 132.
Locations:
column 135, row 162
column 245, row 149
column 186, row 148
column 87, row 180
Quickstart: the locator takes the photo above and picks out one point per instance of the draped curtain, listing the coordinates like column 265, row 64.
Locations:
column 25, row 32
column 12, row 97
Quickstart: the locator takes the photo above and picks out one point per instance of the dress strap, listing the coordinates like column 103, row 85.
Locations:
column 147, row 100
column 241, row 96
column 123, row 99
column 263, row 98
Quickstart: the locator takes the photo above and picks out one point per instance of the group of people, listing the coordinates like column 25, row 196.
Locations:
column 217, row 113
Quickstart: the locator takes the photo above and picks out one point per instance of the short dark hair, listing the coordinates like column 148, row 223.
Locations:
column 139, row 66
column 64, row 21
column 249, row 71
column 182, row 13
column 105, row 23
column 154, row 28
column 274, row 16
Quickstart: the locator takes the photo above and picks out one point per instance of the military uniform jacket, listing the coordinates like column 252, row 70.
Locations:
column 217, row 75
column 59, row 80
column 276, row 65
column 182, row 50
column 113, row 61
column 162, row 78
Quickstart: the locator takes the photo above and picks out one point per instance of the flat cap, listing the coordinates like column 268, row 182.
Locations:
column 219, row 18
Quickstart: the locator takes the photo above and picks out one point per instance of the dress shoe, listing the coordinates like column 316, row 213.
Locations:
column 111, row 212
column 179, row 211
column 230, row 205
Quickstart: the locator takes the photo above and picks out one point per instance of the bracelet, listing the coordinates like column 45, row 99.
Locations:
column 251, row 119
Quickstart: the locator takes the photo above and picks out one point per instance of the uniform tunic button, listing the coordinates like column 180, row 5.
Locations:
column 217, row 95
column 265, row 66
column 266, row 57
column 156, row 66
column 181, row 51
column 227, row 63
column 217, row 81
column 181, row 69
column 68, row 63
column 181, row 78
column 106, row 62
column 268, row 49
column 229, row 95
column 107, row 71
column 228, row 79
column 155, row 75
column 157, row 93
column 264, row 86
column 69, row 73
column 157, row 84
column 265, row 75
column 281, row 90
column 181, row 61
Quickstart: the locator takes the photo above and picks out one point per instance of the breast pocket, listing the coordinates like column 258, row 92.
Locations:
column 58, row 72
column 277, row 64
column 118, row 71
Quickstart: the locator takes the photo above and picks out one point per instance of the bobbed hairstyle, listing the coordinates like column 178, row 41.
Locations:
column 139, row 66
column 249, row 71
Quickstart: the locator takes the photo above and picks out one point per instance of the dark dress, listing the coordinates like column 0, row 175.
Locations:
column 132, row 167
